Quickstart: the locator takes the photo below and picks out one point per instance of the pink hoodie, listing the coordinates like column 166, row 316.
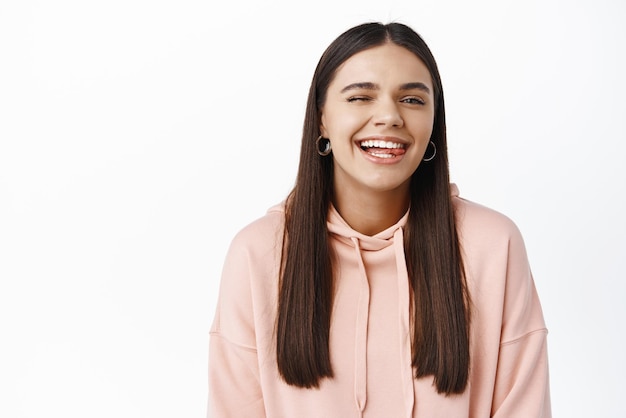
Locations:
column 370, row 342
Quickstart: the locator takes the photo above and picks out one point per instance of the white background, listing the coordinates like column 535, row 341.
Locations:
column 136, row 138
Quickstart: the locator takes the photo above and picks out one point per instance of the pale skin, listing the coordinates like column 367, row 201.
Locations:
column 381, row 94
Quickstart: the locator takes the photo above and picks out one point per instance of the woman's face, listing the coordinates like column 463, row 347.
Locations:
column 378, row 115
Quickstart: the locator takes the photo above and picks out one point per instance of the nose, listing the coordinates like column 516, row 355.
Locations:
column 388, row 114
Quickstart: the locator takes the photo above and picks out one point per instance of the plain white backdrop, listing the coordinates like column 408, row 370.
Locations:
column 137, row 137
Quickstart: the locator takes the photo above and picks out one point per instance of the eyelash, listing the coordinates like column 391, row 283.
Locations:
column 358, row 99
column 409, row 100
column 414, row 100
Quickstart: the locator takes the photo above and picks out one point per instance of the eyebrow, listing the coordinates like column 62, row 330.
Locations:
column 416, row 85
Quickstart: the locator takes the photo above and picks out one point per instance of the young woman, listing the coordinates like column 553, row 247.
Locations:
column 374, row 290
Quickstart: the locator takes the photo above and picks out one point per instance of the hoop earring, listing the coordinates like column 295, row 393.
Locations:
column 323, row 147
column 434, row 152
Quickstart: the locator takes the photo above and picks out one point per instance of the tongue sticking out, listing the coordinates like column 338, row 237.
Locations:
column 394, row 151
column 384, row 152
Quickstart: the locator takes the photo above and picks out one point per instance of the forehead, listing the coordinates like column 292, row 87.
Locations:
column 387, row 63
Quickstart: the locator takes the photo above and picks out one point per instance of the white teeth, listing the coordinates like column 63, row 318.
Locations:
column 380, row 144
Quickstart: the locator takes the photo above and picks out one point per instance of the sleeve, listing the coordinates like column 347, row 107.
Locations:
column 522, row 386
column 234, row 382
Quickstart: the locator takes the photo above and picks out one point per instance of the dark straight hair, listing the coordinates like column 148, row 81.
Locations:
column 440, row 300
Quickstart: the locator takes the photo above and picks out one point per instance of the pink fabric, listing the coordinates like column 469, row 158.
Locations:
column 370, row 339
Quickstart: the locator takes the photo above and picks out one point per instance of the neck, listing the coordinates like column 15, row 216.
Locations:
column 372, row 212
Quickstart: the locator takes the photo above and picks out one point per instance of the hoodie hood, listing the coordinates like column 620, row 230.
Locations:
column 340, row 229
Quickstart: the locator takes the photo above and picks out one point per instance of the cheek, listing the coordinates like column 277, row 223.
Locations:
column 421, row 136
column 343, row 124
column 422, row 129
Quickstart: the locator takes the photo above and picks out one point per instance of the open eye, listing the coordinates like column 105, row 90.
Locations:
column 413, row 100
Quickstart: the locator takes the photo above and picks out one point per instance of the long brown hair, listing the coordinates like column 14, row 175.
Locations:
column 439, row 293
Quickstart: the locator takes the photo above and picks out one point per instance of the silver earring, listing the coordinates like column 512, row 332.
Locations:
column 323, row 146
column 430, row 158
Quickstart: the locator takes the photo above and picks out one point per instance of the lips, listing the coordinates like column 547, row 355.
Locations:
column 381, row 148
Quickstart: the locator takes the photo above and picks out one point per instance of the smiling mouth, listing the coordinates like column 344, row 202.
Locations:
column 382, row 149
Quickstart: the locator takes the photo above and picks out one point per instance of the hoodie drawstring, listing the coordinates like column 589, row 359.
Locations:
column 360, row 341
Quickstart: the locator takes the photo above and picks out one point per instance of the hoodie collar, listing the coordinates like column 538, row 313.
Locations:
column 344, row 232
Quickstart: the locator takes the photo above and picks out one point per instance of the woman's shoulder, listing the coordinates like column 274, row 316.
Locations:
column 492, row 245
column 264, row 231
column 477, row 221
